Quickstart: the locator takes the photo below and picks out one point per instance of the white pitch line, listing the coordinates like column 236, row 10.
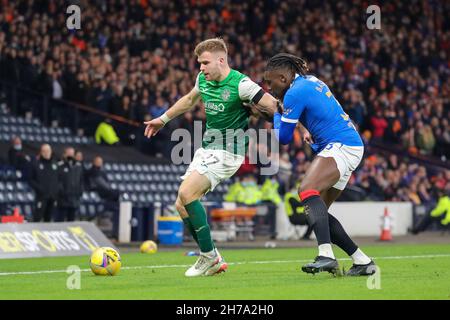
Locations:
column 426, row 256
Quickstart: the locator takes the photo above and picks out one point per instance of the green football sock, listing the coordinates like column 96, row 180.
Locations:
column 199, row 221
column 188, row 224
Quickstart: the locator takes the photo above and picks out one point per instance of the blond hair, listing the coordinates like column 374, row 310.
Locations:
column 211, row 45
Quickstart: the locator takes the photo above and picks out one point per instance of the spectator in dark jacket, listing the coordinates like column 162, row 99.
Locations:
column 70, row 175
column 17, row 158
column 44, row 180
column 97, row 180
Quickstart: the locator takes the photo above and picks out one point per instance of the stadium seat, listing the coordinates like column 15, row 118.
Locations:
column 30, row 196
column 83, row 211
column 150, row 198
column 95, row 197
column 134, row 197
column 19, row 186
column 85, row 197
column 91, row 210
column 115, row 167
column 165, row 198
column 133, row 177
column 27, row 211
column 142, row 198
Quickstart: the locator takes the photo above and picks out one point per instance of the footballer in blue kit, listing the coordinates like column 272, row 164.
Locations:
column 309, row 103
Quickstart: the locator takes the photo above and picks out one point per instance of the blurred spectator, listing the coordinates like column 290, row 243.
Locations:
column 70, row 178
column 17, row 158
column 296, row 212
column 147, row 55
column 79, row 156
column 97, row 180
column 44, row 181
column 379, row 124
column 441, row 213
column 394, row 84
column 425, row 139
column 105, row 133
column 158, row 108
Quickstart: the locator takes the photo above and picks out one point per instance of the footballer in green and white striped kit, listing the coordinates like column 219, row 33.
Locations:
column 223, row 92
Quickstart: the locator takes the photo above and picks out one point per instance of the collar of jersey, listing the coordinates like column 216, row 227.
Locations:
column 224, row 81
column 295, row 78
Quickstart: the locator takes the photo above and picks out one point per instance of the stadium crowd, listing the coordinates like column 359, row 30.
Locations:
column 135, row 58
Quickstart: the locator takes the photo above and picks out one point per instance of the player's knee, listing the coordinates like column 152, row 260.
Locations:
column 185, row 196
column 179, row 206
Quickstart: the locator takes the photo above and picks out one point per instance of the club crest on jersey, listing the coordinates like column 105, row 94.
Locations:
column 226, row 94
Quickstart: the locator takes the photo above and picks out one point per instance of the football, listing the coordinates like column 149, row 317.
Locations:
column 149, row 246
column 105, row 261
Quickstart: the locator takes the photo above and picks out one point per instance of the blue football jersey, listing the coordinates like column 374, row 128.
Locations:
column 310, row 101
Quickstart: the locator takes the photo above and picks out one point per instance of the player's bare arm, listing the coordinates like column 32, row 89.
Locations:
column 183, row 105
column 267, row 106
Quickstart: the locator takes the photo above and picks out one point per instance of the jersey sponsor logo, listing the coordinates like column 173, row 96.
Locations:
column 214, row 108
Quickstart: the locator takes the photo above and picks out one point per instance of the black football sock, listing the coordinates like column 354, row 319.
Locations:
column 339, row 237
column 317, row 215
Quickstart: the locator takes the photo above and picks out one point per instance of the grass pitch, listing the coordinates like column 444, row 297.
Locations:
column 406, row 272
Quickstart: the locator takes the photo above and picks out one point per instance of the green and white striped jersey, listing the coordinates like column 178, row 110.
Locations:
column 226, row 117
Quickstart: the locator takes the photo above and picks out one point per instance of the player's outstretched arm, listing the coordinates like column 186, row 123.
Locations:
column 183, row 105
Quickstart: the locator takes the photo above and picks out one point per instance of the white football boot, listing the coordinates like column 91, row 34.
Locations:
column 220, row 267
column 206, row 265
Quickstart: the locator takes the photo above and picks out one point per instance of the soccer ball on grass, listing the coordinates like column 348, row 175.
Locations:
column 105, row 261
column 149, row 246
